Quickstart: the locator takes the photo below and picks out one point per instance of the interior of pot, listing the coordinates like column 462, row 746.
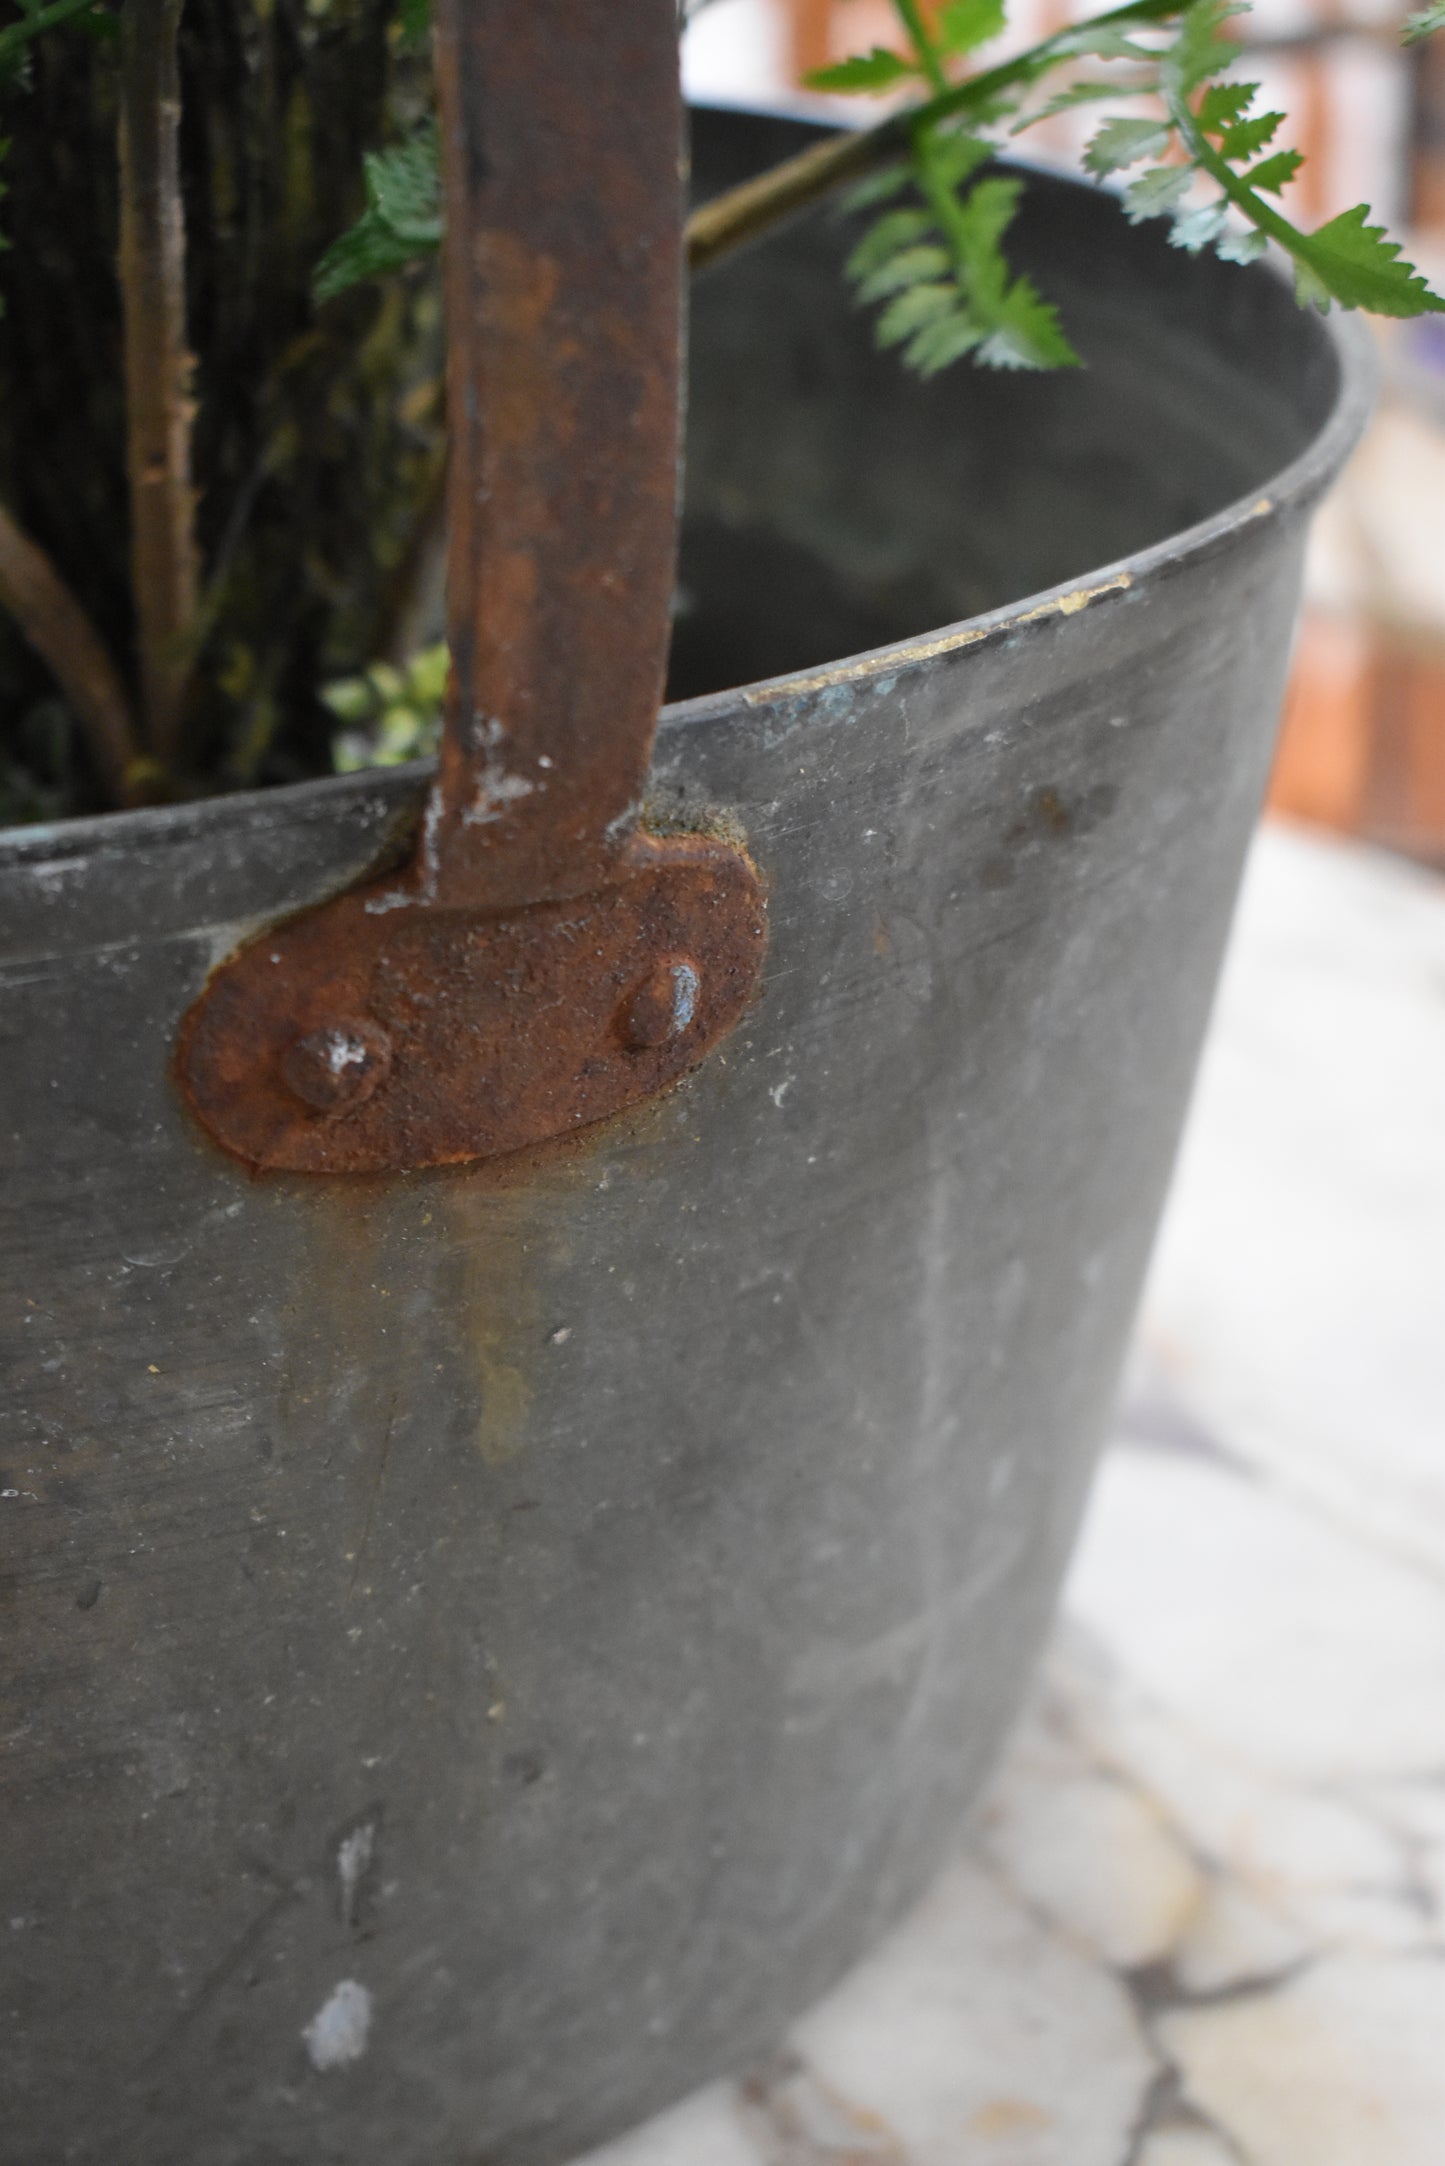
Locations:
column 835, row 503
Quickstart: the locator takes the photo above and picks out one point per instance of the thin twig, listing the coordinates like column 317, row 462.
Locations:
column 61, row 633
column 159, row 409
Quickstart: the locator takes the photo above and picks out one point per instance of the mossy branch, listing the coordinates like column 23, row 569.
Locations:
column 160, row 411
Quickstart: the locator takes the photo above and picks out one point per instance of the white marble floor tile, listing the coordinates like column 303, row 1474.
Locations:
column 1266, row 1622
column 1344, row 2065
column 1297, row 1297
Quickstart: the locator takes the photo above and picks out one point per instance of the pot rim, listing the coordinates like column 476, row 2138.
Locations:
column 1285, row 495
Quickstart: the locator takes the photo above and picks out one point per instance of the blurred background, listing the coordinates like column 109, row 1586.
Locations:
column 1363, row 746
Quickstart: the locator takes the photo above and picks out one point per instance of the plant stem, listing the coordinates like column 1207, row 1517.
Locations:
column 159, row 408
column 940, row 197
column 1245, row 198
column 61, row 633
column 747, row 212
column 930, row 60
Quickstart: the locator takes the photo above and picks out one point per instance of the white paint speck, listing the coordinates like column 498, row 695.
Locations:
column 354, row 1854
column 685, row 988
column 337, row 2033
column 496, row 789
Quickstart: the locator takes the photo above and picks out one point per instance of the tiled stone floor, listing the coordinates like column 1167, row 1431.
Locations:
column 1200, row 1917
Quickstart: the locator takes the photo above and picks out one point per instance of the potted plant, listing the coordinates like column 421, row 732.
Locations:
column 554, row 1353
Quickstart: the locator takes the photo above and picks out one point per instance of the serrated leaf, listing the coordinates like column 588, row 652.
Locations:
column 984, row 218
column 877, row 70
column 1028, row 334
column 910, row 267
column 884, row 238
column 1274, row 173
column 1224, row 103
column 1246, row 247
column 371, row 249
column 1425, row 24
column 1123, row 142
column 1248, row 137
column 1083, row 94
column 911, row 310
column 1356, row 264
column 403, row 185
column 1157, row 191
column 877, row 188
column 958, row 154
column 1310, row 289
column 963, row 24
column 939, row 344
column 1102, row 41
column 402, row 220
column 1201, row 50
column 1198, row 228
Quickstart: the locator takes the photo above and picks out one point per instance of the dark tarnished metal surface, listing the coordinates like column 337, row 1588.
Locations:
column 485, row 1648
column 456, row 1010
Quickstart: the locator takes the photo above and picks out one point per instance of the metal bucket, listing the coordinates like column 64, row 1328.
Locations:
column 485, row 1647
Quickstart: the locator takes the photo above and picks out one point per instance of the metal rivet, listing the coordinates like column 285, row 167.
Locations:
column 339, row 1065
column 663, row 1005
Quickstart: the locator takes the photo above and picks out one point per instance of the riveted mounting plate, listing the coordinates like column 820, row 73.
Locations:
column 363, row 1038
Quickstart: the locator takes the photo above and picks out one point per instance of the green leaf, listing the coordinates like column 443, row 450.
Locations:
column 1200, row 227
column 1201, row 50
column 1102, row 41
column 1157, row 191
column 403, row 185
column 877, row 188
column 910, row 267
column 402, row 220
column 1123, row 142
column 941, row 343
column 963, row 24
column 877, row 70
column 42, row 15
column 1083, row 94
column 1423, row 25
column 414, row 19
column 1248, row 137
column 1273, row 174
column 1244, row 247
column 1028, row 335
column 1353, row 262
column 984, row 218
column 911, row 310
column 350, row 699
column 1224, row 103
column 958, row 154
column 885, row 237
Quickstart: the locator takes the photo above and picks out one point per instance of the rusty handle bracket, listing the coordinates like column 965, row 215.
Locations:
column 542, row 961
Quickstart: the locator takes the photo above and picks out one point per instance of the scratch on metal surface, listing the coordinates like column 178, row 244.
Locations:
column 927, row 650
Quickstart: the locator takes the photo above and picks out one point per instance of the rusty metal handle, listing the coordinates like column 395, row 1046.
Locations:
column 563, row 134
column 542, row 962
